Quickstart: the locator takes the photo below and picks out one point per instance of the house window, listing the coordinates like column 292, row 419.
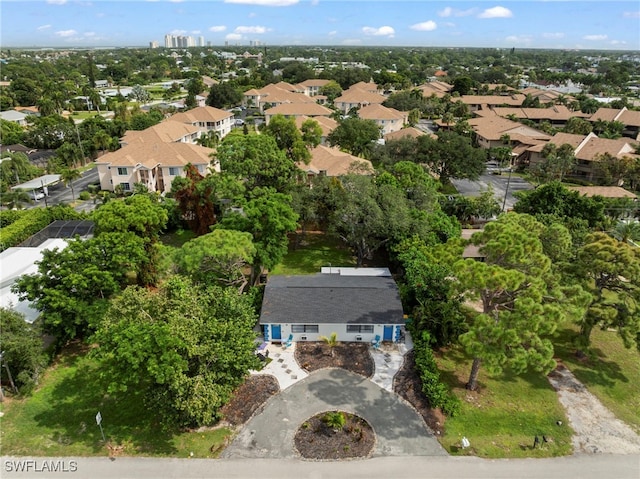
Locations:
column 125, row 186
column 174, row 171
column 122, row 171
column 304, row 328
column 359, row 328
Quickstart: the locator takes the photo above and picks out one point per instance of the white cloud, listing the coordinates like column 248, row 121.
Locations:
column 333, row 32
column 453, row 12
column 66, row 33
column 89, row 34
column 631, row 14
column 233, row 36
column 618, row 42
column 496, row 12
column 265, row 3
column 384, row 31
column 56, row 2
column 594, row 37
column 522, row 39
column 178, row 32
column 427, row 26
column 195, row 32
column 553, row 35
column 315, row 2
column 217, row 28
column 43, row 27
column 253, row 30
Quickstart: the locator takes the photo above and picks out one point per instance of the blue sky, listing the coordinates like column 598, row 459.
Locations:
column 610, row 25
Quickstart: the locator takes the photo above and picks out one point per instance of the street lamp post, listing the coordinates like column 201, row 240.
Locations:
column 506, row 191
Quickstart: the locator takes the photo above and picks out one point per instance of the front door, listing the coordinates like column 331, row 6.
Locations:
column 276, row 335
column 388, row 333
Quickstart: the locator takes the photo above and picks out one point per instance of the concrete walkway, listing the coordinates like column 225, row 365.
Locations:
column 283, row 366
column 400, row 431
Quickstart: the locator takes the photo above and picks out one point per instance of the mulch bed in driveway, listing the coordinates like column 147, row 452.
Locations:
column 353, row 357
column 316, row 440
column 248, row 397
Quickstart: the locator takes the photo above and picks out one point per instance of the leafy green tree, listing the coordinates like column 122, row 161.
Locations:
column 224, row 95
column 557, row 162
column 288, row 138
column 185, row 347
column 626, row 231
column 610, row 270
column 555, row 199
column 269, row 217
column 22, row 350
column 15, row 199
column 145, row 217
column 16, row 168
column 463, row 85
column 613, row 171
column 428, row 293
column 72, row 286
column 217, row 257
column 331, row 90
column 578, row 126
column 139, row 94
column 311, row 133
column 451, row 156
column 355, row 135
column 522, row 302
column 10, row 132
column 257, row 160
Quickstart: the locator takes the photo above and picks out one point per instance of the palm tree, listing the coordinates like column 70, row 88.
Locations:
column 626, row 231
column 14, row 165
column 102, row 140
column 68, row 175
column 14, row 199
column 331, row 341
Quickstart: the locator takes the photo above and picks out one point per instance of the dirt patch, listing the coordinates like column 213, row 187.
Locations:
column 317, row 440
column 248, row 397
column 407, row 385
column 353, row 357
column 596, row 429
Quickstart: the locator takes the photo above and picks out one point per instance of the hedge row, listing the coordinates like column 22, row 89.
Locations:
column 435, row 390
column 31, row 221
column 11, row 216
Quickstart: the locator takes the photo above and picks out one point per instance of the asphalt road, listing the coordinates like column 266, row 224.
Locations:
column 59, row 193
column 597, row 466
column 503, row 187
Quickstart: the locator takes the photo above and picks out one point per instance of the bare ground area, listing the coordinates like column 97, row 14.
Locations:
column 316, row 440
column 597, row 430
column 248, row 398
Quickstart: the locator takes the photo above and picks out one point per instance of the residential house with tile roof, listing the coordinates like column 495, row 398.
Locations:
column 437, row 88
column 295, row 110
column 408, row 132
column 328, row 161
column 206, row 119
column 484, row 102
column 357, row 304
column 491, row 131
column 356, row 98
column 327, row 125
column 604, row 191
column 312, row 86
column 556, row 115
column 588, row 150
column 154, row 165
column 167, row 131
column 629, row 118
column 388, row 119
column 274, row 95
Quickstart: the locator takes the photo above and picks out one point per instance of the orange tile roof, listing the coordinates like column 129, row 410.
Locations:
column 409, row 132
column 166, row 131
column 335, row 162
column 326, row 123
column 297, row 109
column 158, row 154
column 604, row 191
column 378, row 112
column 201, row 114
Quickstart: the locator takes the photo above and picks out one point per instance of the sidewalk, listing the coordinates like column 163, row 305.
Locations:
column 283, row 365
column 388, row 360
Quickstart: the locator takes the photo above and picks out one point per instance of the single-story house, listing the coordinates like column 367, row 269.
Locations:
column 357, row 304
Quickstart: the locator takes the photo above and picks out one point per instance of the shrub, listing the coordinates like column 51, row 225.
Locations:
column 435, row 391
column 335, row 420
column 84, row 196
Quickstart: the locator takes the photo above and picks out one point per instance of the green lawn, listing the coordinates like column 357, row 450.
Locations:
column 59, row 420
column 177, row 238
column 504, row 416
column 611, row 372
column 315, row 251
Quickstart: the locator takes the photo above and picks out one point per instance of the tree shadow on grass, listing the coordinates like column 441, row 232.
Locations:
column 76, row 399
column 598, row 371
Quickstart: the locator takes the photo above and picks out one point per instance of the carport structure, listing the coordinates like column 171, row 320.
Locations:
column 39, row 183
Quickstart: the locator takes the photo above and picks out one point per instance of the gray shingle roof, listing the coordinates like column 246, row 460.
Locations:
column 331, row 299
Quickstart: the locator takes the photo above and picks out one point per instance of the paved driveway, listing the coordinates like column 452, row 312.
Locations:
column 400, row 431
column 499, row 184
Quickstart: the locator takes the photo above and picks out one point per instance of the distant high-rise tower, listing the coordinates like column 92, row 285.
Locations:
column 153, row 44
column 201, row 42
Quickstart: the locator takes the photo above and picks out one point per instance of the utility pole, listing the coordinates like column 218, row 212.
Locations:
column 506, row 191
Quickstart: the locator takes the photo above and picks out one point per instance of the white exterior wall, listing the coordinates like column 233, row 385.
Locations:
column 328, row 329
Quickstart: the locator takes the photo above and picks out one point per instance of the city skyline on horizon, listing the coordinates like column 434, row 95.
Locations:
column 550, row 24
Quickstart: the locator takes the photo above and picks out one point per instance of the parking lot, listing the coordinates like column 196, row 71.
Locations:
column 504, row 186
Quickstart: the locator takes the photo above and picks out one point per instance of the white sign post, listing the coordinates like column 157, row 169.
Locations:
column 99, row 422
